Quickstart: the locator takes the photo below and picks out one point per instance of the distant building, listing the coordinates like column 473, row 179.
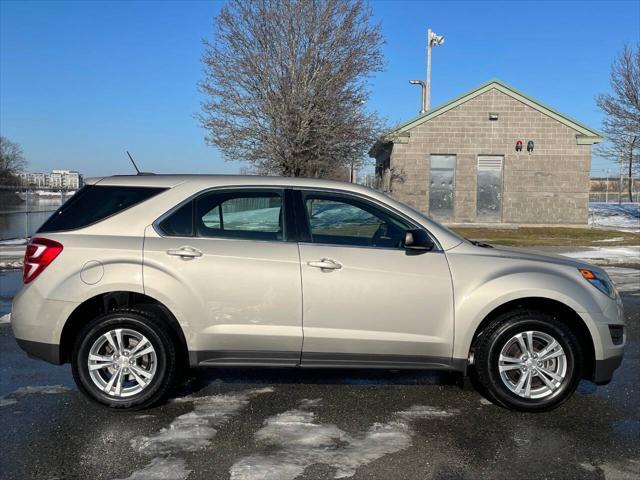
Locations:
column 63, row 179
column 491, row 155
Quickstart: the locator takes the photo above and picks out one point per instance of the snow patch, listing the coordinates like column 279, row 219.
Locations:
column 194, row 430
column 484, row 401
column 187, row 433
column 162, row 469
column 11, row 265
column 625, row 216
column 615, row 470
column 6, row 318
column 423, row 411
column 4, row 402
column 12, row 253
column 14, row 241
column 294, row 441
column 626, row 280
column 607, row 240
column 610, row 254
column 12, row 398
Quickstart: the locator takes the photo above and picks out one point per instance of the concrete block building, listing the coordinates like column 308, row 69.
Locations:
column 462, row 163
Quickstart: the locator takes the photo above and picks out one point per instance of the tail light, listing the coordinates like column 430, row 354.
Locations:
column 39, row 254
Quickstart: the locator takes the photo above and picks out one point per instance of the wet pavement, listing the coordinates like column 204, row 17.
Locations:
column 251, row 424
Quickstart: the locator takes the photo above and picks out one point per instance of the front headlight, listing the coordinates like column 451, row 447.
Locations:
column 600, row 281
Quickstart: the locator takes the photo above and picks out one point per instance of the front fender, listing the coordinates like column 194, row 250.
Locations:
column 475, row 302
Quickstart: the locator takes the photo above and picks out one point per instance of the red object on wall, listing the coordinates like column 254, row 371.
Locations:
column 519, row 146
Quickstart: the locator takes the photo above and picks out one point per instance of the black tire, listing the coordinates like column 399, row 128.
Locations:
column 486, row 372
column 157, row 333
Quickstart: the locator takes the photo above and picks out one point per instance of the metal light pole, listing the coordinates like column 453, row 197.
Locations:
column 423, row 103
column 432, row 41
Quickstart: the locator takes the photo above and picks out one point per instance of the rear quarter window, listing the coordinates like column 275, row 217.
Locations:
column 94, row 203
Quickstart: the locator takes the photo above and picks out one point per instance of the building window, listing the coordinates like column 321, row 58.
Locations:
column 441, row 186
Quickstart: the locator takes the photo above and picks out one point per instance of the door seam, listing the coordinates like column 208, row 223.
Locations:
column 301, row 303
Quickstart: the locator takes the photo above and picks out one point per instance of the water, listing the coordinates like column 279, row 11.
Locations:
column 19, row 221
column 10, row 283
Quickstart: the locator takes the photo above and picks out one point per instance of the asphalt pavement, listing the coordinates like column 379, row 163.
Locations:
column 250, row 424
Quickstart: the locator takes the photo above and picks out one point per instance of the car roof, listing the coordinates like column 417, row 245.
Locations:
column 173, row 180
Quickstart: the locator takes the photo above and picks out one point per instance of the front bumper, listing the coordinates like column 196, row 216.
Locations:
column 610, row 337
column 603, row 371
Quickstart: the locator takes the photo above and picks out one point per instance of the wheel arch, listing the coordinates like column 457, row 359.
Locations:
column 559, row 310
column 110, row 301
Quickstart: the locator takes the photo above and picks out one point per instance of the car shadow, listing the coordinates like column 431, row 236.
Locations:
column 200, row 378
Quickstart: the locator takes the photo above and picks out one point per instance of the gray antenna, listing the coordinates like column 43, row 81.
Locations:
column 134, row 163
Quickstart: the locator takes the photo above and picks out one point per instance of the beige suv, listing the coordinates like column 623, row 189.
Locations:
column 136, row 277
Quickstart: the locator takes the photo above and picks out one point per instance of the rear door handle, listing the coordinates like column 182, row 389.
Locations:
column 326, row 264
column 185, row 252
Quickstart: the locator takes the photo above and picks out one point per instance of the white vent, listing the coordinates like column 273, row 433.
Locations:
column 490, row 162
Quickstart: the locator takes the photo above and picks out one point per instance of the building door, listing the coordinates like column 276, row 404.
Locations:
column 489, row 197
column 441, row 187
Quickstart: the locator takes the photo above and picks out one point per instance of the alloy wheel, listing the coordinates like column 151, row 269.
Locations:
column 533, row 364
column 122, row 362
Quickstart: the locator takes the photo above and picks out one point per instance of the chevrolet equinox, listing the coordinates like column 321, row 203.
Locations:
column 137, row 277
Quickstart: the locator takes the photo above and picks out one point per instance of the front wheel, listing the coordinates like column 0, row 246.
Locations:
column 125, row 359
column 528, row 361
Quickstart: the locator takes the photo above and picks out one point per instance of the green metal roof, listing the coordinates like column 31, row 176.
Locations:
column 586, row 134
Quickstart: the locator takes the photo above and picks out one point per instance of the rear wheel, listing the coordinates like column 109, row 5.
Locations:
column 125, row 359
column 528, row 361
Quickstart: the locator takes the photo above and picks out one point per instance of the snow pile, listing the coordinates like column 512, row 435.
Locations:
column 294, row 440
column 625, row 216
column 6, row 318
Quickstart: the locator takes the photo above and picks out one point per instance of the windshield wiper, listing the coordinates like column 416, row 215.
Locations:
column 481, row 244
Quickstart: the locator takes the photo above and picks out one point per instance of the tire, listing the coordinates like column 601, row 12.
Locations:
column 501, row 378
column 146, row 379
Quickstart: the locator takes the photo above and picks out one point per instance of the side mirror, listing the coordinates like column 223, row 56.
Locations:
column 418, row 240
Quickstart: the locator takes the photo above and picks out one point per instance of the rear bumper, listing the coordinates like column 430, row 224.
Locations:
column 48, row 352
column 38, row 320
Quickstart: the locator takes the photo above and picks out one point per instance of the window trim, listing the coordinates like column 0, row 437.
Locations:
column 304, row 227
column 281, row 191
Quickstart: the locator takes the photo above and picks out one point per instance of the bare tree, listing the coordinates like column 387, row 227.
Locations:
column 286, row 85
column 12, row 161
column 622, row 108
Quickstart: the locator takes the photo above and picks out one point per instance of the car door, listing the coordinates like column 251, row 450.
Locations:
column 224, row 263
column 367, row 300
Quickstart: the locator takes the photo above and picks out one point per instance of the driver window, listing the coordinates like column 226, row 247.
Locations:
column 346, row 221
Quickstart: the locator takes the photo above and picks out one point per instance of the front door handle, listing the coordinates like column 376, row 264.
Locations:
column 185, row 252
column 326, row 264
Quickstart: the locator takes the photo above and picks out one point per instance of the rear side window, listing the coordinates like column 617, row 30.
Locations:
column 94, row 203
column 251, row 215
column 180, row 222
